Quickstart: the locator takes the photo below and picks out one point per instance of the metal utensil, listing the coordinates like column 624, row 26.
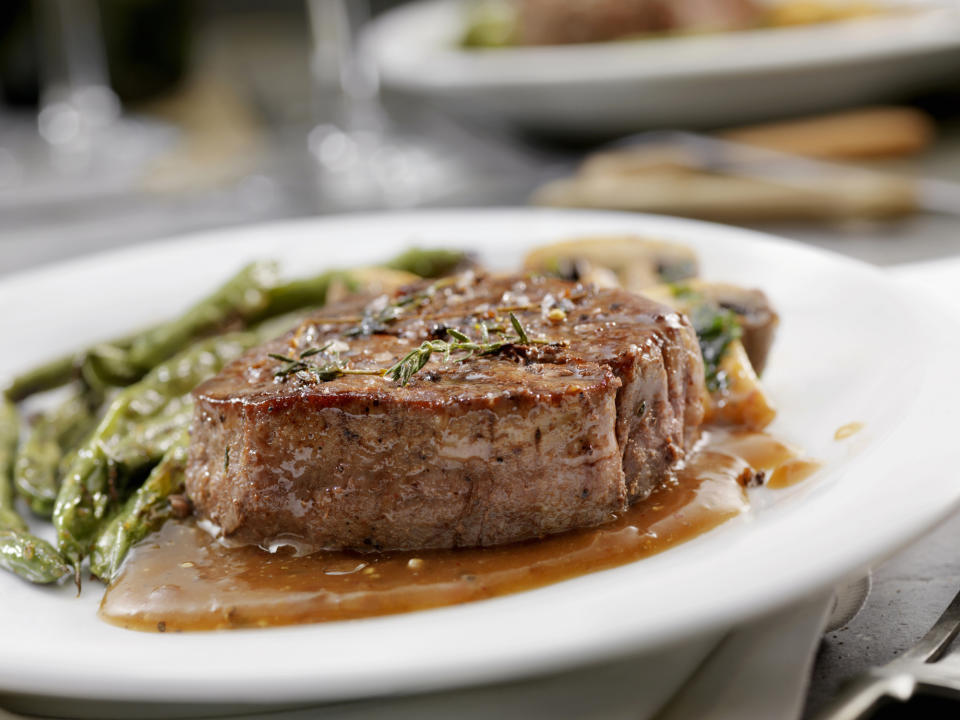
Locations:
column 925, row 666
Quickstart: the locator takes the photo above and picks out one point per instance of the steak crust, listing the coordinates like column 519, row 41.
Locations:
column 534, row 440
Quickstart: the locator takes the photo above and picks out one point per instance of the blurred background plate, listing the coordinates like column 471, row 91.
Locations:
column 689, row 81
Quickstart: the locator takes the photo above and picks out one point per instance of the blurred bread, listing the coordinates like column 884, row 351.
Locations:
column 737, row 199
column 863, row 133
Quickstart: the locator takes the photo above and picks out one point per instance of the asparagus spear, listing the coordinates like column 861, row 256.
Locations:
column 30, row 557
column 312, row 291
column 9, row 437
column 429, row 263
column 144, row 512
column 146, row 420
column 736, row 394
column 140, row 425
column 53, row 435
column 20, row 552
column 249, row 297
column 47, row 376
column 242, row 296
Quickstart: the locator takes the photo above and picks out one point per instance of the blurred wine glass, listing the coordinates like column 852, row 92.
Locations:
column 77, row 102
column 80, row 145
column 361, row 160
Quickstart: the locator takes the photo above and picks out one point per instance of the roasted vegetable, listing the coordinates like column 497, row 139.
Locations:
column 368, row 280
column 140, row 425
column 636, row 262
column 144, row 512
column 51, row 437
column 29, row 557
column 755, row 315
column 742, row 399
column 735, row 393
column 237, row 302
column 9, row 437
column 49, row 375
column 250, row 297
column 147, row 420
column 430, row 262
column 716, row 330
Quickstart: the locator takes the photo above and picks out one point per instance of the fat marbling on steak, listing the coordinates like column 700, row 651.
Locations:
column 536, row 439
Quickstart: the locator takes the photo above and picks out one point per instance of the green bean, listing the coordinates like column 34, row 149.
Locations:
column 93, row 365
column 51, row 437
column 84, row 365
column 140, row 425
column 123, row 361
column 239, row 298
column 249, row 297
column 312, row 292
column 9, row 437
column 47, row 376
column 295, row 295
column 243, row 296
column 145, row 423
column 429, row 262
column 144, row 512
column 30, row 557
column 20, row 552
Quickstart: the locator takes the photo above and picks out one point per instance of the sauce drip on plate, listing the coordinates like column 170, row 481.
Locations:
column 182, row 579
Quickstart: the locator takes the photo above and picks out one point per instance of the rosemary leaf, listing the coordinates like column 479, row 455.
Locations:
column 518, row 328
column 414, row 361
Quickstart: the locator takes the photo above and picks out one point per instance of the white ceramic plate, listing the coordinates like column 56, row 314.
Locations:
column 853, row 346
column 688, row 81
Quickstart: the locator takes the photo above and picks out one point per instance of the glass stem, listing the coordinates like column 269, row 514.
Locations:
column 76, row 97
column 347, row 85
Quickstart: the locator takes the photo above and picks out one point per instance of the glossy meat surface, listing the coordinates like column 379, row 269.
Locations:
column 536, row 439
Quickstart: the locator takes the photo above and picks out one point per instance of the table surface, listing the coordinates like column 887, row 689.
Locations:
column 909, row 590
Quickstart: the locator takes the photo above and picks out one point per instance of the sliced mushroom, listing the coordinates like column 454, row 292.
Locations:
column 637, row 262
column 742, row 399
column 735, row 395
column 372, row 280
column 758, row 320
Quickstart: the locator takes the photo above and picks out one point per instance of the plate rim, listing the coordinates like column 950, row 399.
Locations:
column 576, row 65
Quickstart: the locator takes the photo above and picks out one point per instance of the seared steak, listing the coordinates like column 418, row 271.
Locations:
column 557, row 22
column 539, row 437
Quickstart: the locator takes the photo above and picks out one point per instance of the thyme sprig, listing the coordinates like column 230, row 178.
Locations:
column 414, row 361
column 324, row 372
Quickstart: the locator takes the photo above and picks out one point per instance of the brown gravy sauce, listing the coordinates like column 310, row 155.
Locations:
column 180, row 578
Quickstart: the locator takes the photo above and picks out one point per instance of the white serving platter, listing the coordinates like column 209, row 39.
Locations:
column 854, row 345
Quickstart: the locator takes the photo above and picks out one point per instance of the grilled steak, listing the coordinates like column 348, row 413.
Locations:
column 539, row 437
column 555, row 22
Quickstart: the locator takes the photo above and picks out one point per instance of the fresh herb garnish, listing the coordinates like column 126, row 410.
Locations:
column 415, row 360
column 330, row 370
column 716, row 328
column 376, row 321
column 518, row 328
